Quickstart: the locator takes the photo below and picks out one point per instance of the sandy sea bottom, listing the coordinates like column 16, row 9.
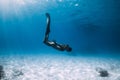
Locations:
column 58, row 67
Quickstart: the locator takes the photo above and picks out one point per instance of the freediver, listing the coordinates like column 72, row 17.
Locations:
column 54, row 44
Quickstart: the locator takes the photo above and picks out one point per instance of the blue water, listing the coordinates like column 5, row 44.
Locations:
column 89, row 27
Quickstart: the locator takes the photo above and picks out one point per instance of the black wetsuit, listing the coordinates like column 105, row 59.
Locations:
column 55, row 45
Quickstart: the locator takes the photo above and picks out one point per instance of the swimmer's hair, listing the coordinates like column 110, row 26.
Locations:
column 68, row 49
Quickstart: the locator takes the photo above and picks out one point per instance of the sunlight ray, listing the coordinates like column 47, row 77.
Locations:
column 14, row 7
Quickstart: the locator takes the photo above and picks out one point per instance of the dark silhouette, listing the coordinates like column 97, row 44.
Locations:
column 102, row 72
column 1, row 72
column 54, row 44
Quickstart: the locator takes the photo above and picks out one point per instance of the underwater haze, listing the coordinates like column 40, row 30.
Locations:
column 84, row 25
column 90, row 27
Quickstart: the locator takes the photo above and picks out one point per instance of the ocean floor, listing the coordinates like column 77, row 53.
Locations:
column 58, row 67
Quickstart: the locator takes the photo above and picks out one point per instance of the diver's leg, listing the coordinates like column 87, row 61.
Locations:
column 47, row 28
column 46, row 38
column 48, row 24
